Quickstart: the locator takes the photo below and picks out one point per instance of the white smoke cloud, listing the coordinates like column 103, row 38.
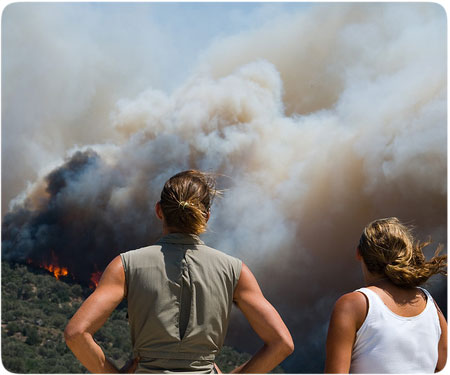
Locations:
column 64, row 67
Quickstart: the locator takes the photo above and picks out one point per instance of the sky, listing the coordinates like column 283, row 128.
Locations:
column 319, row 118
column 60, row 58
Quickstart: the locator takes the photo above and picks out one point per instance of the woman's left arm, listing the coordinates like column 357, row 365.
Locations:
column 91, row 316
column 442, row 346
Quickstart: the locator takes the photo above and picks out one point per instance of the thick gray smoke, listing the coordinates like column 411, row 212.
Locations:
column 321, row 121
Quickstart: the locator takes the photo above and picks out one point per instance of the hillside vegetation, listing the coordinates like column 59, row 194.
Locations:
column 35, row 309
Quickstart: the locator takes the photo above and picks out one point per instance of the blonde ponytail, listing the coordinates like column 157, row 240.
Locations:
column 388, row 247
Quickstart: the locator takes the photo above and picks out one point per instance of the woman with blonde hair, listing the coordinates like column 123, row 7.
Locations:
column 392, row 325
column 180, row 293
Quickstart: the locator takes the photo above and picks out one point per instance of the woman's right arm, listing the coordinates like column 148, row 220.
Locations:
column 348, row 315
column 266, row 322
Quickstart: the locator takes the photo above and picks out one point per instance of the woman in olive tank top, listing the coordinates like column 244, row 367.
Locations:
column 180, row 293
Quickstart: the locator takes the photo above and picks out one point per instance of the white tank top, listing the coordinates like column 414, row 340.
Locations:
column 390, row 343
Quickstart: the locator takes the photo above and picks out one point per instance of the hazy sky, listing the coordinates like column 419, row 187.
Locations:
column 64, row 65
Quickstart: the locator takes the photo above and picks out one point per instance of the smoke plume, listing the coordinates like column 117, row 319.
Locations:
column 317, row 122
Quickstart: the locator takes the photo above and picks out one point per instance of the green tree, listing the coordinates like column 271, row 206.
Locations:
column 33, row 337
column 12, row 328
column 39, row 319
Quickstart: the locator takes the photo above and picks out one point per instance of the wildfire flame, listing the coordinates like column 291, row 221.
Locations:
column 56, row 270
column 59, row 272
column 95, row 278
column 52, row 266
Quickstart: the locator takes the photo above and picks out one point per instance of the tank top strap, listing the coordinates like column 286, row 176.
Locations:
column 375, row 309
column 365, row 291
column 371, row 296
column 427, row 294
column 431, row 309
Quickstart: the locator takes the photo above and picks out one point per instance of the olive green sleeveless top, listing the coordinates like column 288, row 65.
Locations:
column 180, row 294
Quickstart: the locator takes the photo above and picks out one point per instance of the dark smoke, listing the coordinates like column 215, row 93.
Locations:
column 76, row 220
column 80, row 230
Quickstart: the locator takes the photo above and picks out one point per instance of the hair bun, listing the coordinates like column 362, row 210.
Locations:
column 184, row 204
column 186, row 199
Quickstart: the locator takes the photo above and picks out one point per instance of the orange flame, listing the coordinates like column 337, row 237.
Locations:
column 53, row 267
column 95, row 278
column 56, row 270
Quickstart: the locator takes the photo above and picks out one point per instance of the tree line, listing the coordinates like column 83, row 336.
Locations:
column 35, row 310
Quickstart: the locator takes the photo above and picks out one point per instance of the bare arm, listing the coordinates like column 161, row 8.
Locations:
column 442, row 346
column 266, row 322
column 348, row 315
column 91, row 316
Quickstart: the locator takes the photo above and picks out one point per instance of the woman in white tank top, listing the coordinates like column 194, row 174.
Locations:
column 391, row 325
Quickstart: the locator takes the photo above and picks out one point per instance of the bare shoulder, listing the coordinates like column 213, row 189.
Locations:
column 352, row 305
column 245, row 272
column 114, row 273
column 353, row 300
column 247, row 283
column 115, row 267
column 442, row 320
